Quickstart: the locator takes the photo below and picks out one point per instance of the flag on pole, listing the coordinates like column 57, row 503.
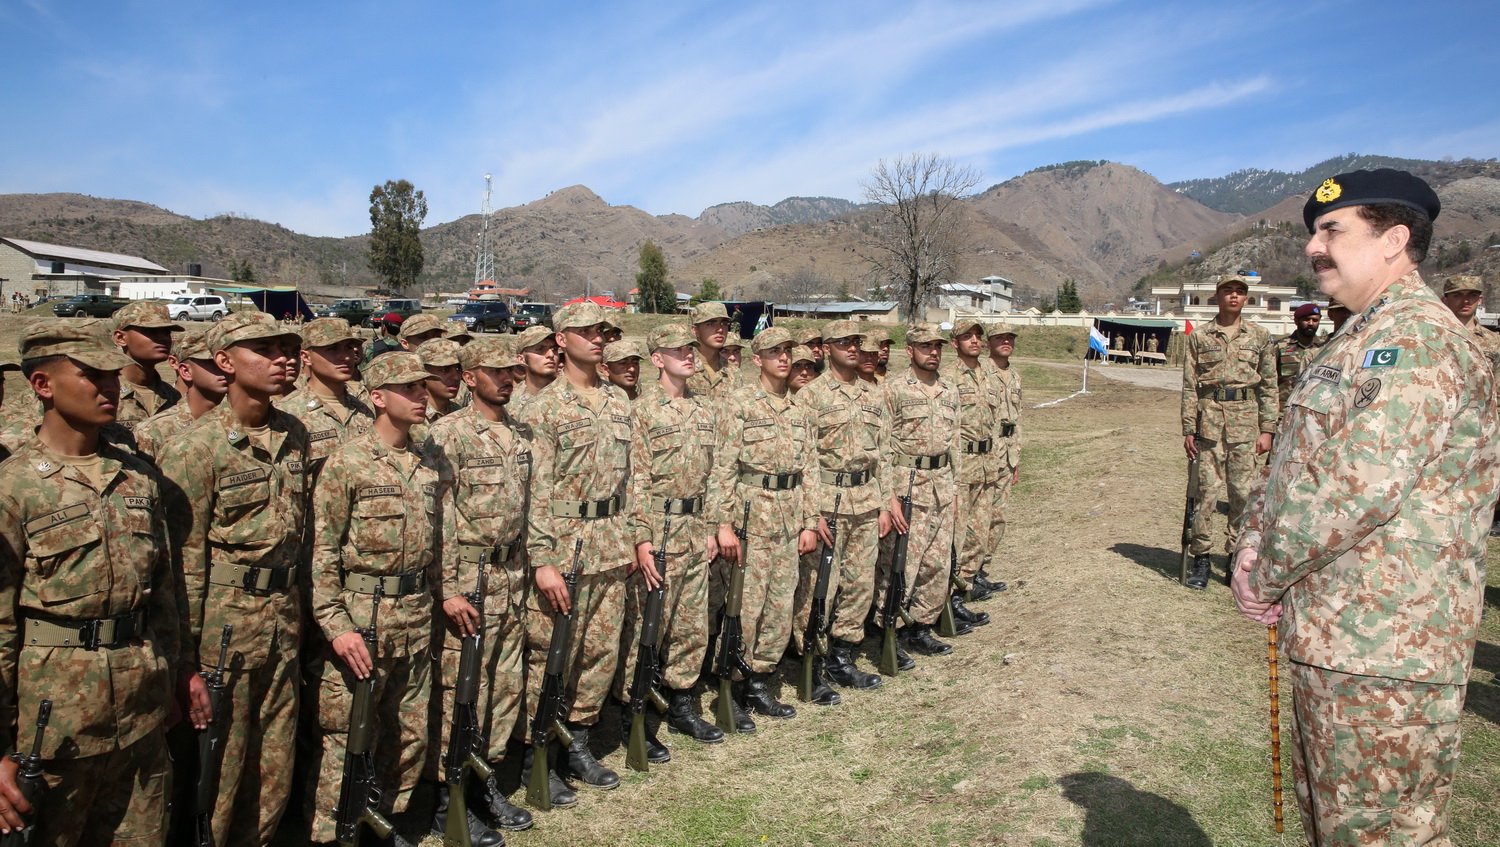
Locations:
column 1097, row 341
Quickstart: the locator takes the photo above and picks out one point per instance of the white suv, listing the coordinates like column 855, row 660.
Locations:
column 198, row 307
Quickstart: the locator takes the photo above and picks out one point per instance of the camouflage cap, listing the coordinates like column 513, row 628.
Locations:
column 1230, row 279
column 922, row 333
column 964, row 324
column 669, row 335
column 397, row 367
column 488, row 353
column 878, row 334
column 457, row 331
column 733, row 340
column 532, row 336
column 612, row 318
column 419, row 324
column 326, row 332
column 1463, row 283
column 246, row 326
column 802, row 353
column 145, row 314
column 439, row 352
column 584, row 313
column 992, row 330
column 192, row 345
column 621, row 350
column 58, row 337
column 842, row 329
column 709, row 311
column 869, row 344
column 768, row 338
column 807, row 335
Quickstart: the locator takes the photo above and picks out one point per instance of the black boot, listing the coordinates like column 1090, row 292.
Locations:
column 822, row 695
column 479, row 834
column 501, row 813
column 983, row 580
column 656, row 752
column 978, row 592
column 841, row 669
column 967, row 615
column 683, row 718
column 743, row 723
column 1198, row 579
column 920, row 638
column 904, row 661
column 563, row 797
column 758, row 699
column 583, row 765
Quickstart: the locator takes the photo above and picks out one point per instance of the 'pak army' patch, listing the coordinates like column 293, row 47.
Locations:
column 1385, row 357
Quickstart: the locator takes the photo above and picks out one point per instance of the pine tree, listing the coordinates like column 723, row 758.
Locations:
column 397, row 210
column 655, row 295
column 1067, row 298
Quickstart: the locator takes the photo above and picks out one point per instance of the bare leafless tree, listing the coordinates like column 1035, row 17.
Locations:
column 915, row 238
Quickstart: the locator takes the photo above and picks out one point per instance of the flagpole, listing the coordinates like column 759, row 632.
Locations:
column 1085, row 388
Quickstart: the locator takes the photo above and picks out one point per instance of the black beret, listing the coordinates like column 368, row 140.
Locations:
column 1366, row 188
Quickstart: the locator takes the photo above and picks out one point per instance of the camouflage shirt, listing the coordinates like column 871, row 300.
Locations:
column 139, row 402
column 672, row 454
column 762, row 433
column 232, row 504
column 1234, row 360
column 924, row 422
column 1370, row 523
column 329, row 424
column 154, row 432
column 1291, row 357
column 978, row 412
column 850, row 427
column 1006, row 384
column 375, row 512
column 71, row 551
column 709, row 381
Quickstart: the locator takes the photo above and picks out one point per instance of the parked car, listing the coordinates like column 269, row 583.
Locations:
column 355, row 310
column 404, row 308
column 198, row 307
column 484, row 316
column 531, row 314
column 88, row 306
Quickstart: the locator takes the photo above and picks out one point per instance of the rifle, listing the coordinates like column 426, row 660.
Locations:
column 1188, row 515
column 30, row 779
column 549, row 722
column 731, row 651
column 946, row 624
column 359, row 792
column 210, row 746
column 465, row 739
column 895, row 591
column 815, row 637
column 648, row 662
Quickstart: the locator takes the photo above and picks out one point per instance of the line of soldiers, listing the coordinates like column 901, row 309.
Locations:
column 208, row 560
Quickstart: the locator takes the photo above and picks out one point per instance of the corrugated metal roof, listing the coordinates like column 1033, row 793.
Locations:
column 78, row 254
column 846, row 306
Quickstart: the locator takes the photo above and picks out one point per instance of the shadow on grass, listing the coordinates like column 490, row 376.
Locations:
column 1117, row 814
column 1483, row 698
column 1168, row 563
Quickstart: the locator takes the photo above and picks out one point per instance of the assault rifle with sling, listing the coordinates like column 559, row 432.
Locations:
column 30, row 779
column 359, row 792
column 550, row 720
column 643, row 688
column 211, row 747
column 730, row 655
column 465, row 737
column 815, row 637
column 895, row 591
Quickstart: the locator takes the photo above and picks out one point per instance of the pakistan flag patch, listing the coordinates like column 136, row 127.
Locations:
column 1383, row 358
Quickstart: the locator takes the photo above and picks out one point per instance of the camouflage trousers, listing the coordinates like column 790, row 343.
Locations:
column 119, row 797
column 771, row 570
column 851, row 581
column 501, row 683
column 978, row 503
column 255, row 777
column 598, row 611
column 1374, row 758
column 684, row 624
column 928, row 561
column 1221, row 465
column 403, row 687
column 997, row 520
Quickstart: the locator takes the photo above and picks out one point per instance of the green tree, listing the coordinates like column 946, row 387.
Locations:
column 1046, row 307
column 242, row 272
column 1067, row 298
column 846, row 292
column 708, row 289
column 655, row 294
column 397, row 210
column 1307, row 287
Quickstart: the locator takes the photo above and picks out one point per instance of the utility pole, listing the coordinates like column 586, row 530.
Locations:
column 484, row 260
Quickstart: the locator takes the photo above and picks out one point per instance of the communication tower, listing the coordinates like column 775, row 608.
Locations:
column 484, row 260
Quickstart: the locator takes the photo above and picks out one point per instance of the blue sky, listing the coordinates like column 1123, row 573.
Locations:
column 290, row 112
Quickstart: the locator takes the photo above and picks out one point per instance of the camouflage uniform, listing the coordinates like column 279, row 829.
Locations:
column 152, row 433
column 1006, row 384
column 1227, row 402
column 73, row 550
column 139, row 402
column 979, row 482
column 1292, row 357
column 707, row 380
column 375, row 520
column 330, row 421
column 236, row 513
column 1370, row 531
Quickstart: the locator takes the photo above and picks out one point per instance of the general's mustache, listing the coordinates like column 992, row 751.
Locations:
column 1323, row 262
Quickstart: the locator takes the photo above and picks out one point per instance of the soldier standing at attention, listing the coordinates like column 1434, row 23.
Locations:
column 419, row 329
column 390, row 330
column 235, row 485
column 1366, row 543
column 483, row 458
column 850, row 429
column 5, row 365
column 83, row 541
column 734, row 355
column 672, row 453
column 332, row 415
column 375, row 514
column 882, row 363
column 812, row 338
column 613, row 329
column 804, row 368
column 869, row 357
column 622, row 367
column 765, row 456
column 445, row 378
column 978, row 410
column 923, row 408
column 1463, row 295
column 711, row 326
column 580, row 474
column 1296, row 351
column 1228, row 414
column 143, row 332
column 1001, row 340
column 203, row 387
column 537, row 348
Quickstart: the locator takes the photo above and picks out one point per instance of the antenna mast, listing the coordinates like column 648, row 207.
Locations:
column 484, row 260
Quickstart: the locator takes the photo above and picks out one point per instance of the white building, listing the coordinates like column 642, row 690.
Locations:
column 1195, row 300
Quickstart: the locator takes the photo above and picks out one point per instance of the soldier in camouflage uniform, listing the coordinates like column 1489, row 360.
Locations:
column 882, row 363
column 375, row 518
column 1001, row 340
column 712, row 327
column 671, row 455
column 978, row 408
column 418, row 330
column 1296, row 351
column 850, row 428
column 440, row 358
column 143, row 332
column 202, row 388
column 581, row 471
column 622, row 367
column 925, row 458
column 733, row 353
column 235, row 485
column 804, row 368
column 869, row 356
column 1463, row 295
column 765, row 457
column 483, row 458
column 1228, row 414
column 1365, row 543
column 537, row 348
column 325, row 405
column 83, row 541
column 6, row 365
column 812, row 338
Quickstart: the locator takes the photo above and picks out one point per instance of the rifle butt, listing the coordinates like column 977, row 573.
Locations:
column 635, row 751
column 805, row 678
column 724, row 709
column 888, row 665
column 456, row 827
column 539, row 787
column 946, row 627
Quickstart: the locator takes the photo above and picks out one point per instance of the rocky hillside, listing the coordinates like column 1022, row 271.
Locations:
column 742, row 217
column 1246, row 192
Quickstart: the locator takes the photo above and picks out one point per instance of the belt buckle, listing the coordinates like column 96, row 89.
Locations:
column 252, row 576
column 88, row 634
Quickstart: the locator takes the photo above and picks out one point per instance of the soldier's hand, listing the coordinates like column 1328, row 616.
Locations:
column 807, row 541
column 711, row 549
column 463, row 614
column 897, row 518
column 1190, row 444
column 729, row 544
column 194, row 694
column 1015, row 476
column 1239, row 585
column 1263, row 444
column 883, row 522
column 551, row 584
column 645, row 562
column 823, row 533
column 12, row 803
column 350, row 648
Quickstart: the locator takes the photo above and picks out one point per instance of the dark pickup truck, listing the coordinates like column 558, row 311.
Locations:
column 88, row 306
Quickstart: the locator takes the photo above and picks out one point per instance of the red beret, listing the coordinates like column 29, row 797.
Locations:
column 1307, row 310
column 393, row 319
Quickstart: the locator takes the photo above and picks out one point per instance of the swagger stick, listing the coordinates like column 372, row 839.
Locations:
column 1275, row 729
